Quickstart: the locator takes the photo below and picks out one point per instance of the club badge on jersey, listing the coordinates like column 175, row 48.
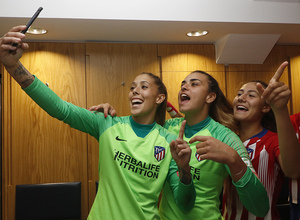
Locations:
column 250, row 152
column 159, row 153
column 198, row 157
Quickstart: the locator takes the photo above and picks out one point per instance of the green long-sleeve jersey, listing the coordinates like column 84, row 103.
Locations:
column 209, row 176
column 132, row 168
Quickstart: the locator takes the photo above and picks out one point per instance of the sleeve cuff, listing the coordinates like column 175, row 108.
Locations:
column 244, row 180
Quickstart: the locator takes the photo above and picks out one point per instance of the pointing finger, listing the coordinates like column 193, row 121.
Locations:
column 260, row 88
column 181, row 132
column 279, row 72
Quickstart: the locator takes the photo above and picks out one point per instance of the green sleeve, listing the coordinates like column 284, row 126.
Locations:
column 184, row 195
column 78, row 118
column 253, row 194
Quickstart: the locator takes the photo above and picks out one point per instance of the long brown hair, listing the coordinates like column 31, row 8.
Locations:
column 160, row 114
column 221, row 109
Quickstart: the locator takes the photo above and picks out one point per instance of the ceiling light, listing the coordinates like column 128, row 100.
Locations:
column 36, row 30
column 196, row 33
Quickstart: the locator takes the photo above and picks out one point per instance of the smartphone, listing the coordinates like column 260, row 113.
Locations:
column 32, row 20
column 36, row 14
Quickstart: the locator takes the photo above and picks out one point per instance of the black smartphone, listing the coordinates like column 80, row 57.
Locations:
column 36, row 14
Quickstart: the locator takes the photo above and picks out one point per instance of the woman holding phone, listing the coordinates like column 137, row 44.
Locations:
column 136, row 154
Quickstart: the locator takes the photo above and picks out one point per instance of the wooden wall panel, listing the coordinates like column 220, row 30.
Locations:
column 41, row 149
column 238, row 74
column 187, row 58
column 7, row 191
column 294, row 54
column 1, row 133
column 110, row 70
column 177, row 61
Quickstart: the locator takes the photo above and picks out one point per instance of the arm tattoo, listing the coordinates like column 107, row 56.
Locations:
column 23, row 76
column 20, row 71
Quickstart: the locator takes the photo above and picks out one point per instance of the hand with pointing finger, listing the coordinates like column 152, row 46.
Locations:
column 181, row 153
column 277, row 94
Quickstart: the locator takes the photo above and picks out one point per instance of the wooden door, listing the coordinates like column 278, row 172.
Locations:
column 36, row 147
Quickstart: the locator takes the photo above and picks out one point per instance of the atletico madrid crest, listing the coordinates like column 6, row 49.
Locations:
column 159, row 153
column 250, row 152
column 198, row 157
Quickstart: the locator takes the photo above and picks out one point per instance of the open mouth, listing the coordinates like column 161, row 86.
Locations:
column 184, row 97
column 241, row 108
column 136, row 102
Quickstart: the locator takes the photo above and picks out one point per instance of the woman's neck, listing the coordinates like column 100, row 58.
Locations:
column 195, row 118
column 249, row 129
column 143, row 120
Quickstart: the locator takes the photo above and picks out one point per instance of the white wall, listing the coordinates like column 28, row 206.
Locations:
column 267, row 11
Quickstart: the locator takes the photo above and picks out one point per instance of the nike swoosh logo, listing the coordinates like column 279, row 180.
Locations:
column 119, row 139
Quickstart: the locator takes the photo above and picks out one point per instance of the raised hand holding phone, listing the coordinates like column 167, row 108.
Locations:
column 36, row 14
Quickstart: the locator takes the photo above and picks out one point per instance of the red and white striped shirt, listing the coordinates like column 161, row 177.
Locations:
column 295, row 184
column 263, row 150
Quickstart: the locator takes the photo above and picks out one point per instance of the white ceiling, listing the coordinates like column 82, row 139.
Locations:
column 247, row 27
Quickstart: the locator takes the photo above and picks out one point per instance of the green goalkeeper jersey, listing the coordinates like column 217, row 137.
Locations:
column 132, row 168
column 209, row 176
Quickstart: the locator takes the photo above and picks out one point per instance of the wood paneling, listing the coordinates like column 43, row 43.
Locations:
column 294, row 54
column 238, row 74
column 180, row 60
column 110, row 70
column 7, row 189
column 38, row 148
column 112, row 65
column 187, row 58
column 1, row 104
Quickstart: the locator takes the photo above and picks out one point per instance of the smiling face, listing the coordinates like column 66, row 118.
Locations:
column 248, row 104
column 194, row 95
column 144, row 99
